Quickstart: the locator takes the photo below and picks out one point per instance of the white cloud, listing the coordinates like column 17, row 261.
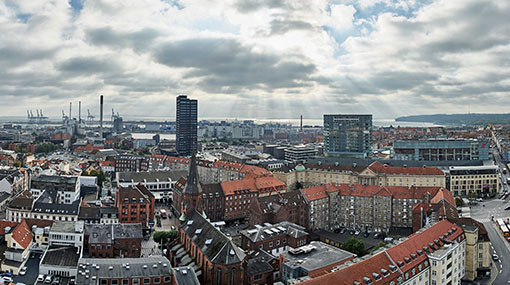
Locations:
column 256, row 57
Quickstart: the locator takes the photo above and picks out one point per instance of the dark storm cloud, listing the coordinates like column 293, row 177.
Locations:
column 138, row 40
column 225, row 63
column 89, row 66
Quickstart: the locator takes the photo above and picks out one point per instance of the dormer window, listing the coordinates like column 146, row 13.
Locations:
column 376, row 276
column 384, row 272
column 392, row 267
column 400, row 263
column 413, row 256
column 407, row 259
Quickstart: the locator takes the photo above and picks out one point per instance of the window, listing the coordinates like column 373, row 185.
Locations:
column 104, row 282
column 115, row 281
column 157, row 280
column 125, row 281
column 146, row 281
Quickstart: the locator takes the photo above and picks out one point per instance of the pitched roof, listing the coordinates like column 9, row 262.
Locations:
column 22, row 234
column 192, row 185
column 380, row 168
column 217, row 247
column 4, row 224
column 443, row 194
column 315, row 193
column 229, row 187
column 402, row 257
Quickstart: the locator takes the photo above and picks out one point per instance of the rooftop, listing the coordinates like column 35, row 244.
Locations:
column 91, row 269
column 315, row 255
column 185, row 276
column 66, row 227
column 65, row 256
column 268, row 231
column 153, row 176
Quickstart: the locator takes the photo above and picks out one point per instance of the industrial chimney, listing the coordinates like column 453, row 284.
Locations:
column 70, row 109
column 301, row 124
column 101, row 117
column 79, row 112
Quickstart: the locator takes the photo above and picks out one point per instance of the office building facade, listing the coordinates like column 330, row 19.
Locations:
column 186, row 125
column 442, row 149
column 347, row 135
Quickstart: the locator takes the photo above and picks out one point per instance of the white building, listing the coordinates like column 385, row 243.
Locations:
column 67, row 234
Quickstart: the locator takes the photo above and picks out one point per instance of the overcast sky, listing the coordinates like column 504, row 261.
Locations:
column 256, row 58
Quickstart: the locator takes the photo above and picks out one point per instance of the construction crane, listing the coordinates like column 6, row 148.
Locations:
column 90, row 118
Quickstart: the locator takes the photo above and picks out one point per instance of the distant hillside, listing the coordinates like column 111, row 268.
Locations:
column 458, row 119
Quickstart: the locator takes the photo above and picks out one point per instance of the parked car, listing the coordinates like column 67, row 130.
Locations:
column 337, row 230
column 7, row 279
column 357, row 232
column 23, row 271
column 479, row 200
column 342, row 231
column 56, row 281
column 495, row 257
column 507, row 207
column 40, row 278
column 388, row 239
column 48, row 279
column 366, row 234
column 376, row 235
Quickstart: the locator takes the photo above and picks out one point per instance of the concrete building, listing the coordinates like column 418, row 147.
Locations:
column 131, row 163
column 347, row 135
column 67, row 234
column 186, row 125
column 67, row 187
column 160, row 183
column 442, row 149
column 312, row 260
column 473, row 180
column 300, row 153
column 110, row 271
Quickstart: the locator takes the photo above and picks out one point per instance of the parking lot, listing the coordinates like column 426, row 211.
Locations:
column 32, row 266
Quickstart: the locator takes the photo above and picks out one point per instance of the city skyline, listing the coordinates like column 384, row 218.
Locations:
column 289, row 58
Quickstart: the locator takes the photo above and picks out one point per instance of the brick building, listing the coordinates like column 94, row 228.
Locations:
column 135, row 204
column 131, row 163
column 367, row 207
column 274, row 239
column 113, row 240
column 218, row 259
column 435, row 255
column 288, row 206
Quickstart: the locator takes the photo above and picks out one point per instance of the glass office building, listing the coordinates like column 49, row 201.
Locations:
column 442, row 149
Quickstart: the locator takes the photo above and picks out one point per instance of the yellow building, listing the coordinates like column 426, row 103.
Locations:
column 315, row 174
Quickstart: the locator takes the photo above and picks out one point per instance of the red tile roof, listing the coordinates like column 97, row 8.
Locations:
column 408, row 254
column 315, row 193
column 443, row 194
column 22, row 234
column 245, row 184
column 4, row 224
column 378, row 167
column 399, row 192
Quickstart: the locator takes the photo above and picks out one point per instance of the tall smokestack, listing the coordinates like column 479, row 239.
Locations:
column 79, row 112
column 70, row 110
column 101, row 117
column 301, row 124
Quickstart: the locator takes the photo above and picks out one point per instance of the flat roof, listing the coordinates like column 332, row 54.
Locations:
column 322, row 255
column 64, row 256
column 88, row 268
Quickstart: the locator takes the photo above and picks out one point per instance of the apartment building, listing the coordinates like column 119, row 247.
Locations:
column 289, row 206
column 473, row 180
column 442, row 149
column 434, row 255
column 367, row 207
column 160, row 183
column 67, row 187
column 114, row 240
column 135, row 205
column 67, row 234
column 131, row 163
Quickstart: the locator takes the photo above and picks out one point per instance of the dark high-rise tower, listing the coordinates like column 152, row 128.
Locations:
column 347, row 135
column 186, row 125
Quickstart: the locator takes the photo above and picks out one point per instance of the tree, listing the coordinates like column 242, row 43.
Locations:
column 378, row 246
column 355, row 246
column 101, row 177
column 459, row 202
column 165, row 236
